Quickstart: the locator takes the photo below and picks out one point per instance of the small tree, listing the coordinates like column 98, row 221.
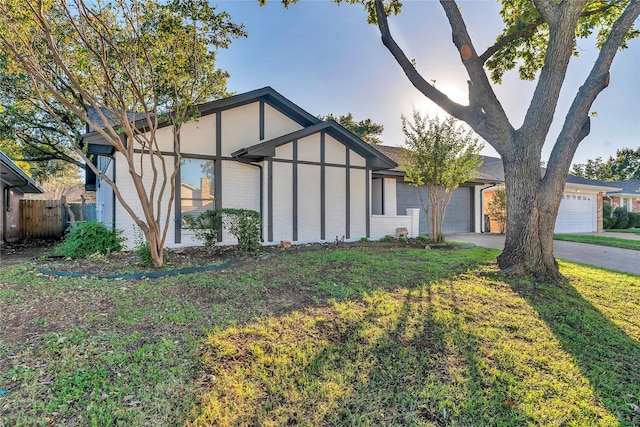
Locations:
column 440, row 156
column 498, row 208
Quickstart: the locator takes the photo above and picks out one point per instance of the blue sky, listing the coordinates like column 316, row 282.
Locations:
column 327, row 59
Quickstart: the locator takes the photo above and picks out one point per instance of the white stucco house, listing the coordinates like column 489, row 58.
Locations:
column 311, row 180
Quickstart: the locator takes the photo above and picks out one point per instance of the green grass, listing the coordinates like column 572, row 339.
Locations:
column 367, row 336
column 615, row 242
column 625, row 230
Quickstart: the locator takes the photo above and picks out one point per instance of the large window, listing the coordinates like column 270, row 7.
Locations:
column 197, row 186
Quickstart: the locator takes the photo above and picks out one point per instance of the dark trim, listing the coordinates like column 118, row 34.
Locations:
column 217, row 167
column 367, row 203
column 113, row 196
column 308, row 162
column 295, row 191
column 375, row 159
column 261, row 120
column 177, row 208
column 267, row 94
column 147, row 152
column 347, row 195
column 323, row 187
column 382, row 196
column 270, row 200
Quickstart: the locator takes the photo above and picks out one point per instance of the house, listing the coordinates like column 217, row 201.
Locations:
column 14, row 184
column 628, row 196
column 580, row 209
column 310, row 180
column 392, row 195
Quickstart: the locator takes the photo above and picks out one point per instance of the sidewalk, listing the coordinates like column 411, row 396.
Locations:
column 624, row 260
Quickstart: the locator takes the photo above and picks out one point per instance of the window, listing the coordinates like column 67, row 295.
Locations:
column 197, row 186
column 625, row 203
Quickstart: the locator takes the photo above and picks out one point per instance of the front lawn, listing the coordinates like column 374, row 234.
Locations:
column 360, row 336
column 615, row 242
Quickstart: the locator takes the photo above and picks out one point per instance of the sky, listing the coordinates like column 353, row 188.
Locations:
column 326, row 58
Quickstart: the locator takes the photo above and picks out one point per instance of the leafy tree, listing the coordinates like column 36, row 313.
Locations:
column 498, row 208
column 440, row 155
column 626, row 165
column 366, row 130
column 539, row 40
column 139, row 65
column 29, row 132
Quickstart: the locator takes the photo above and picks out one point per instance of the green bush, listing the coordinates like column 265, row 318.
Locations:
column 244, row 224
column 422, row 238
column 205, row 226
column 387, row 239
column 89, row 238
column 634, row 219
column 608, row 221
column 622, row 217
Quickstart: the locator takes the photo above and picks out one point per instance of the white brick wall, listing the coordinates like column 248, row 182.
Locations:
column 385, row 225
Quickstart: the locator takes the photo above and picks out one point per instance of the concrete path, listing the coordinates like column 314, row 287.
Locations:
column 624, row 260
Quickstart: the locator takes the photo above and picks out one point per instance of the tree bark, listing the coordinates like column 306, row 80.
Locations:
column 528, row 249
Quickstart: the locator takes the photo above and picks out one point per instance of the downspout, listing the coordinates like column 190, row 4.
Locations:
column 482, row 205
column 237, row 157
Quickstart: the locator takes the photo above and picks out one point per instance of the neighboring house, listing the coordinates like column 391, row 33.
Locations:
column 628, row 196
column 311, row 180
column 14, row 183
column 580, row 209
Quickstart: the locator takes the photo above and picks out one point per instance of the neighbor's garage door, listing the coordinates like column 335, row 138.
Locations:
column 458, row 218
column 577, row 214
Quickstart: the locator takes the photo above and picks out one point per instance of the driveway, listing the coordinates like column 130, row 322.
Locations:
column 625, row 260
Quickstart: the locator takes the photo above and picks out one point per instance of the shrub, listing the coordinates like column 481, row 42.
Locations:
column 244, row 224
column 387, row 239
column 422, row 238
column 634, row 219
column 622, row 217
column 89, row 238
column 205, row 226
column 364, row 240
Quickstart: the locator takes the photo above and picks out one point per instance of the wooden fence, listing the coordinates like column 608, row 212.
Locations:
column 48, row 219
column 41, row 219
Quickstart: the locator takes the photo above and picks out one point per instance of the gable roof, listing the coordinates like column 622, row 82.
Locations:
column 627, row 187
column 12, row 176
column 266, row 94
column 375, row 159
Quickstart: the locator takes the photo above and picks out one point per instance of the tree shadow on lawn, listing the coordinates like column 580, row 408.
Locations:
column 605, row 354
column 388, row 360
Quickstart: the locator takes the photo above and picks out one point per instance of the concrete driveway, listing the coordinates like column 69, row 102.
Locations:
column 624, row 260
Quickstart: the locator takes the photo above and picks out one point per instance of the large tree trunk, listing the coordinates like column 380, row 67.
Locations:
column 528, row 249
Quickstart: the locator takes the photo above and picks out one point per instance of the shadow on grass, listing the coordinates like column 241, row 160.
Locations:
column 607, row 356
column 392, row 359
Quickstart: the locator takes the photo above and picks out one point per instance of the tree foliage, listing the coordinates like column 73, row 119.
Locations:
column 625, row 165
column 366, row 129
column 139, row 65
column 440, row 155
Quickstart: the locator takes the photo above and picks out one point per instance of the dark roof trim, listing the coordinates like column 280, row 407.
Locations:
column 267, row 94
column 14, row 177
column 375, row 159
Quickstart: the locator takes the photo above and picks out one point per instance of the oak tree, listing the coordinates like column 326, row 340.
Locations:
column 539, row 39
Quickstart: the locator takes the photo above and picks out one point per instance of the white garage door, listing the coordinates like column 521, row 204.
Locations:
column 577, row 213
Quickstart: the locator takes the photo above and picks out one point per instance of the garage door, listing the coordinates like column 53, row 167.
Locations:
column 459, row 216
column 577, row 213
